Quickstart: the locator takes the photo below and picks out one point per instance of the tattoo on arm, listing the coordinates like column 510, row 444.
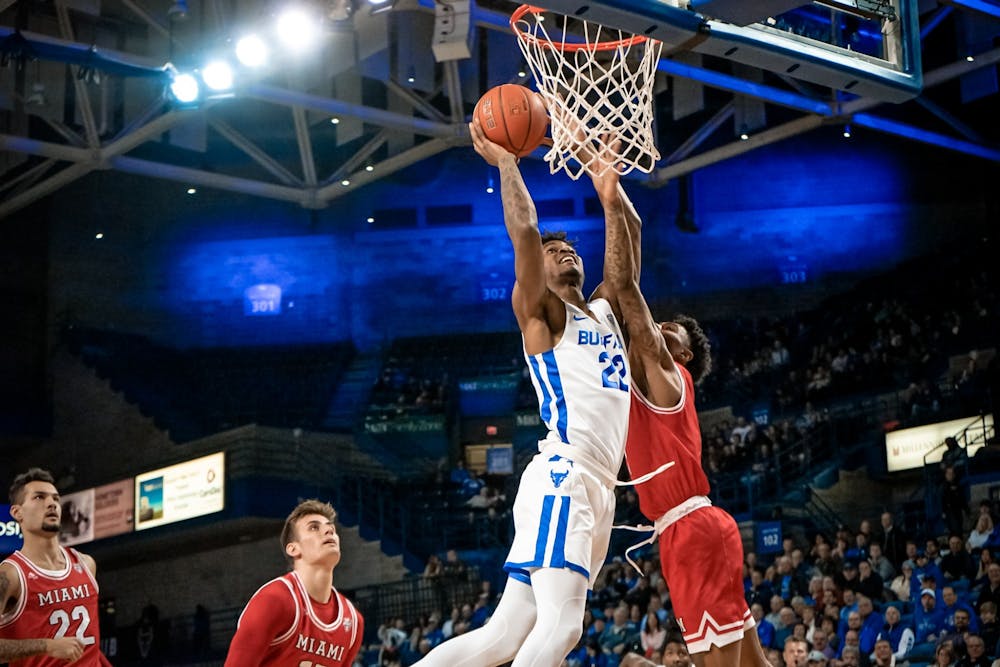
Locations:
column 517, row 205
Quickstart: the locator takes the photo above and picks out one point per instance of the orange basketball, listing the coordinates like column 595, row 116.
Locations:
column 514, row 117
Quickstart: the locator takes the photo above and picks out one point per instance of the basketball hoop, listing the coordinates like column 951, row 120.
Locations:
column 597, row 84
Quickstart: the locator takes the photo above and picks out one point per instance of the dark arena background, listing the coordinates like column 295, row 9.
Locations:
column 299, row 286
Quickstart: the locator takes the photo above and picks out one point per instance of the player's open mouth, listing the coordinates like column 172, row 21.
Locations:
column 570, row 260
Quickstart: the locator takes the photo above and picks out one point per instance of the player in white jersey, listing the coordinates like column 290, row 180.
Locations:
column 565, row 502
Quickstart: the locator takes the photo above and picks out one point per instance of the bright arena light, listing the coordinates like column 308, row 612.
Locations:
column 185, row 88
column 297, row 30
column 218, row 75
column 252, row 51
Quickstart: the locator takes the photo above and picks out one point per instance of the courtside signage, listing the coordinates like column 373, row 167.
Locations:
column 10, row 532
column 182, row 491
column 905, row 449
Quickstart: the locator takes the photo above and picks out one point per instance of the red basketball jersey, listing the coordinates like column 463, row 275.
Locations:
column 657, row 435
column 53, row 605
column 306, row 639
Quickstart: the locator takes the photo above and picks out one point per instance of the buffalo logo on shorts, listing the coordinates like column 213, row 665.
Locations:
column 560, row 470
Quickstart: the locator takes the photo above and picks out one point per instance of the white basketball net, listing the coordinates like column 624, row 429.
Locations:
column 599, row 93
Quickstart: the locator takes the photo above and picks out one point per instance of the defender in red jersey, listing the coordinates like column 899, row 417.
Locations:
column 299, row 619
column 701, row 553
column 48, row 594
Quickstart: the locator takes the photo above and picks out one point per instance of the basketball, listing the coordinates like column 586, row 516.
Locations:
column 512, row 116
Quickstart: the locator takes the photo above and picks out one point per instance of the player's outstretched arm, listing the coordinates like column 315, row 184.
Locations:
column 521, row 221
column 63, row 648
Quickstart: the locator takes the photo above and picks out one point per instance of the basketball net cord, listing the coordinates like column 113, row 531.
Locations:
column 599, row 93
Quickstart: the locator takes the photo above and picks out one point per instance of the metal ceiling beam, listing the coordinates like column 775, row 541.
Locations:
column 30, row 176
column 702, row 133
column 154, row 128
column 417, row 102
column 939, row 15
column 141, row 12
column 770, row 136
column 925, row 136
column 371, row 115
column 382, row 169
column 212, row 180
column 79, row 87
column 47, row 149
column 45, row 188
column 982, row 7
column 305, row 146
column 255, row 153
column 949, row 118
column 453, row 85
column 933, row 78
column 358, row 158
column 739, row 86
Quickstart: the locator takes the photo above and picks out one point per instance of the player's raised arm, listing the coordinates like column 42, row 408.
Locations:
column 522, row 227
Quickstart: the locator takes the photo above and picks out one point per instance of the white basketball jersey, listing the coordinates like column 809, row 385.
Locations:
column 583, row 385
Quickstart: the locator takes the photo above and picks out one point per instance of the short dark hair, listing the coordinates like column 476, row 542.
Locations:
column 701, row 350
column 304, row 508
column 16, row 492
column 557, row 236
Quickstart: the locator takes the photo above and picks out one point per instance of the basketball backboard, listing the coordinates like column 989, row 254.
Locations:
column 869, row 48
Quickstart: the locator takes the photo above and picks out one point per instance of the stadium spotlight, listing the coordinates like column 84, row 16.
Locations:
column 297, row 29
column 252, row 51
column 218, row 76
column 847, row 130
column 185, row 89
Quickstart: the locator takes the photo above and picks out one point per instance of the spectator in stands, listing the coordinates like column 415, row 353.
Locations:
column 944, row 656
column 774, row 616
column 957, row 564
column 990, row 592
column 821, row 643
column 453, row 567
column 899, row 635
column 617, row 637
column 953, row 454
column 975, row 653
column 958, row 632
column 953, row 605
column 653, row 635
column 927, row 570
column 893, row 540
column 869, row 582
column 795, row 652
column 989, row 628
column 851, row 657
column 826, row 563
column 928, row 619
column 982, row 571
column 434, row 567
column 787, row 582
column 883, row 655
column 759, row 591
column 880, row 564
column 871, row 624
column 817, row 658
column 765, row 629
column 981, row 533
column 933, row 551
column 786, row 626
column 901, row 585
column 953, row 503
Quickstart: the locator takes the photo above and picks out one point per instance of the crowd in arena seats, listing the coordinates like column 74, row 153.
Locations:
column 870, row 597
